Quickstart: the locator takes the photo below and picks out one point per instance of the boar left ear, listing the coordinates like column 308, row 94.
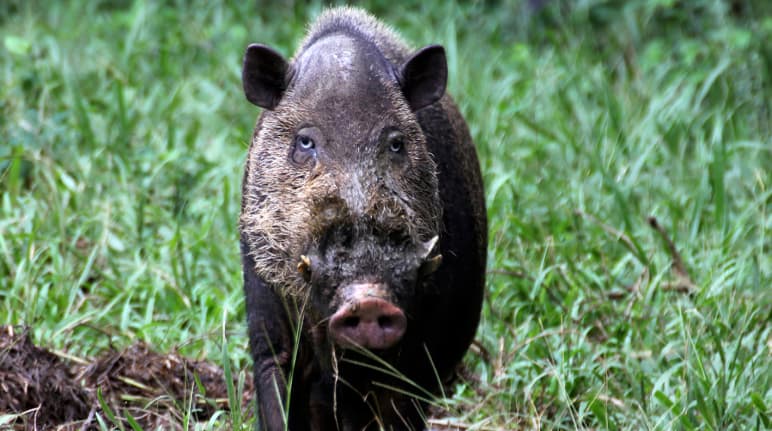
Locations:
column 264, row 75
column 423, row 76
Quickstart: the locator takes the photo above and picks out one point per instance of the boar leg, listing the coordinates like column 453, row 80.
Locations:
column 271, row 344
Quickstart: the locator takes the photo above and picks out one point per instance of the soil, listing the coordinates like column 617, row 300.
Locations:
column 135, row 388
column 40, row 389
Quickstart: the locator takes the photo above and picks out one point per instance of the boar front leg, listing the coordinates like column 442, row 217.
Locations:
column 270, row 339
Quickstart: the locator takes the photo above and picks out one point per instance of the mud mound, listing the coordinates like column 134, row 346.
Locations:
column 48, row 391
column 35, row 380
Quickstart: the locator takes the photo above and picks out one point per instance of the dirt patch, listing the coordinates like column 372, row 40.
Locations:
column 45, row 390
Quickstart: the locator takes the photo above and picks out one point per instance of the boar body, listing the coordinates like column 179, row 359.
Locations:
column 363, row 229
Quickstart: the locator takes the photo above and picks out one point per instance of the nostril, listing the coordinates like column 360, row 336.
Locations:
column 385, row 322
column 351, row 322
column 372, row 323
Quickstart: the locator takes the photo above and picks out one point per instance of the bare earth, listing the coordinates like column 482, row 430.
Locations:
column 52, row 391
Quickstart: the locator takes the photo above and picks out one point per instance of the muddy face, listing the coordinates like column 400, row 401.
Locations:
column 365, row 285
column 341, row 193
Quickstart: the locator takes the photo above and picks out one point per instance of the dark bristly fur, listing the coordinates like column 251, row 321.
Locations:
column 353, row 212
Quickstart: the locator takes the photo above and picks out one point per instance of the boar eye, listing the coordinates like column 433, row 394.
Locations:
column 396, row 142
column 305, row 143
column 304, row 148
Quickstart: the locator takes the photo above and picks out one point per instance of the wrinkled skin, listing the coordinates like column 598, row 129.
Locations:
column 363, row 229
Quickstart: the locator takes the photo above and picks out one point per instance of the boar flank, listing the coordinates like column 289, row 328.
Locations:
column 363, row 228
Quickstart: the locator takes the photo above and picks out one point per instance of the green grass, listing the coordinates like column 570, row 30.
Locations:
column 123, row 131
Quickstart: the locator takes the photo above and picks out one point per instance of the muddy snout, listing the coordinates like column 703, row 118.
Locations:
column 367, row 320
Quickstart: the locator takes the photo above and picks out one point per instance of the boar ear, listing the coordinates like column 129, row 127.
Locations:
column 423, row 76
column 264, row 76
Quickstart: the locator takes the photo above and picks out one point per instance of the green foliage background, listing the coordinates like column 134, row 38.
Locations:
column 123, row 132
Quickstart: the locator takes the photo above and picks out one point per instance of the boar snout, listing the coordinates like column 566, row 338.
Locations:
column 367, row 321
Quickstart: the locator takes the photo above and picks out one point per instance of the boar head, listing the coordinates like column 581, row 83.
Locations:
column 341, row 203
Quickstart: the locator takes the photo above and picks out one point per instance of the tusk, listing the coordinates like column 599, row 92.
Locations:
column 304, row 267
column 427, row 247
column 431, row 265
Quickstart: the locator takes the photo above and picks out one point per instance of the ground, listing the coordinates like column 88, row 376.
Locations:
column 132, row 387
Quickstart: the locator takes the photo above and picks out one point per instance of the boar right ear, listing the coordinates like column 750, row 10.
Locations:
column 423, row 76
column 264, row 76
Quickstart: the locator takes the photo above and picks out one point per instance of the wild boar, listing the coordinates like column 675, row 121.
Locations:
column 363, row 228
